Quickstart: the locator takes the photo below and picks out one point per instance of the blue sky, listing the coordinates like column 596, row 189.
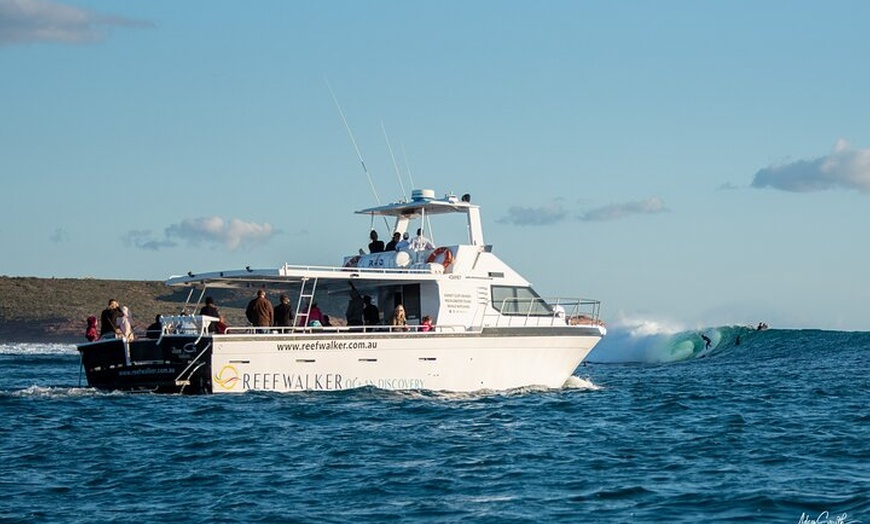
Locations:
column 686, row 163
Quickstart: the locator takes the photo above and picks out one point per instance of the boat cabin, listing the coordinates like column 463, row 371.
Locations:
column 462, row 286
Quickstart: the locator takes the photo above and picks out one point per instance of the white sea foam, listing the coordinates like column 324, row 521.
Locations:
column 575, row 382
column 31, row 348
column 56, row 392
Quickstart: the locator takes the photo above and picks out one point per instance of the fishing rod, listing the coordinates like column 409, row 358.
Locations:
column 408, row 166
column 356, row 148
column 393, row 157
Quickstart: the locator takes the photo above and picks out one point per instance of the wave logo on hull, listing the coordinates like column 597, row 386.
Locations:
column 227, row 377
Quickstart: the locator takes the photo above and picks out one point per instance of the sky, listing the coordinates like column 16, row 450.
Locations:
column 686, row 163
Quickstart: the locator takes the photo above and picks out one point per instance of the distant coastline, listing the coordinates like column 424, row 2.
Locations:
column 56, row 309
column 36, row 309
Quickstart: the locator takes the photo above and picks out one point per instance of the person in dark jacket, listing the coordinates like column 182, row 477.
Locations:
column 391, row 245
column 375, row 246
column 283, row 312
column 260, row 312
column 212, row 311
column 154, row 329
column 109, row 319
column 355, row 308
column 209, row 308
column 371, row 313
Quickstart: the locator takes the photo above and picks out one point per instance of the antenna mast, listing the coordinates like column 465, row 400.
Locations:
column 353, row 141
column 408, row 166
column 392, row 156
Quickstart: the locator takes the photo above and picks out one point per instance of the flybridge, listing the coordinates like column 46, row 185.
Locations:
column 424, row 203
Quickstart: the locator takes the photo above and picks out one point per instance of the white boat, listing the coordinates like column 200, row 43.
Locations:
column 491, row 330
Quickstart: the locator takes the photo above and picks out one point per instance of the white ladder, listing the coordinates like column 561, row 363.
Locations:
column 306, row 298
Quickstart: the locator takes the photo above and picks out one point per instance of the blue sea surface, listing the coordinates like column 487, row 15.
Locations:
column 654, row 429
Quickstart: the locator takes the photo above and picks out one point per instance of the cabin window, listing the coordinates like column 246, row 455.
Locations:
column 513, row 300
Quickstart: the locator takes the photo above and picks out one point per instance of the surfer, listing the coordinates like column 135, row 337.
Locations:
column 706, row 341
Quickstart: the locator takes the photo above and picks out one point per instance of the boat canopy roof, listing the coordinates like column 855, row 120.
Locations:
column 288, row 275
column 422, row 203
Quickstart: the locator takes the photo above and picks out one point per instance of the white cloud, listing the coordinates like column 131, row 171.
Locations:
column 29, row 21
column 232, row 234
column 556, row 212
column 844, row 168
column 651, row 205
column 534, row 216
column 214, row 231
column 145, row 239
column 239, row 233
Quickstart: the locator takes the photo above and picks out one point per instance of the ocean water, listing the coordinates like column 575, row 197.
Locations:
column 657, row 428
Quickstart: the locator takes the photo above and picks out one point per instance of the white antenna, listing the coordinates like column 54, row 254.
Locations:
column 408, row 166
column 353, row 141
column 395, row 165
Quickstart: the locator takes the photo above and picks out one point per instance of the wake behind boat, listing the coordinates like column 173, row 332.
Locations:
column 490, row 330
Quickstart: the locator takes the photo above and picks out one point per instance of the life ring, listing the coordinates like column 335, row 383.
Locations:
column 436, row 257
column 352, row 262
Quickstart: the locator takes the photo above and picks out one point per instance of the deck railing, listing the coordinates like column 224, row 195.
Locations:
column 356, row 330
column 539, row 311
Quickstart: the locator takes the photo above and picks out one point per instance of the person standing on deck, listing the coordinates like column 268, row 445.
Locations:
column 283, row 312
column 355, row 307
column 260, row 312
column 125, row 324
column 399, row 323
column 109, row 319
column 212, row 311
column 209, row 308
column 420, row 242
column 371, row 313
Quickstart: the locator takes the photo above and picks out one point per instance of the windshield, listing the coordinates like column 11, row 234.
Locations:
column 514, row 300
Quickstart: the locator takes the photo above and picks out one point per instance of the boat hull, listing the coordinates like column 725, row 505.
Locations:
column 493, row 359
column 175, row 364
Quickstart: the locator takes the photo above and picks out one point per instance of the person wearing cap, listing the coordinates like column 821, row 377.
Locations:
column 404, row 243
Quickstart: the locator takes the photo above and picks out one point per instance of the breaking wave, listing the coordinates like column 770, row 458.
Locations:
column 652, row 345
